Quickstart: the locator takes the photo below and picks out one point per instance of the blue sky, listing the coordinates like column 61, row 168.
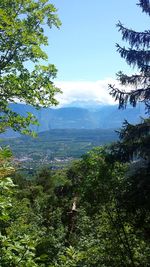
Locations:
column 84, row 49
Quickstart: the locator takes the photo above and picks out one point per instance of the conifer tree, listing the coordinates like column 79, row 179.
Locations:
column 138, row 55
column 134, row 144
column 135, row 138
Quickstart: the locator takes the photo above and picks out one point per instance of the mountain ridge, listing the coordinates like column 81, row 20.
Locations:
column 98, row 117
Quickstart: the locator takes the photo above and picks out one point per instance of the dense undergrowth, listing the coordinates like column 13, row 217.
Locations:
column 86, row 215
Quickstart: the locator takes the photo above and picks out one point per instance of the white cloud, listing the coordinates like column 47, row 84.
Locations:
column 85, row 91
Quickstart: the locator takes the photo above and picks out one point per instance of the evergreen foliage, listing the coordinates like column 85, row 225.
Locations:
column 138, row 55
column 134, row 144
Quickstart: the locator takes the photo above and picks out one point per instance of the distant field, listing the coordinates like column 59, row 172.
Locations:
column 58, row 145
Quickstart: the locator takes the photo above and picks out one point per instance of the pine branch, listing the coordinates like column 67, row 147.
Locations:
column 139, row 58
column 134, row 143
column 135, row 39
column 136, row 79
column 132, row 97
column 145, row 5
column 134, row 132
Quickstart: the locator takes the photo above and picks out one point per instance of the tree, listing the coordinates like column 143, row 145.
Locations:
column 134, row 144
column 101, row 234
column 135, row 138
column 22, row 77
column 138, row 55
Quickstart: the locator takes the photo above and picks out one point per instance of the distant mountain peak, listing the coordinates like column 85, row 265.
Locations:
column 85, row 104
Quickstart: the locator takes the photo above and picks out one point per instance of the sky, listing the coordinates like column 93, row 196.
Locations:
column 84, row 48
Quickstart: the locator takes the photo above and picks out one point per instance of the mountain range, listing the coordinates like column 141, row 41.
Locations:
column 81, row 117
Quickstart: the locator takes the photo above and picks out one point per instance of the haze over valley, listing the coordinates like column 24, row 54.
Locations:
column 67, row 133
